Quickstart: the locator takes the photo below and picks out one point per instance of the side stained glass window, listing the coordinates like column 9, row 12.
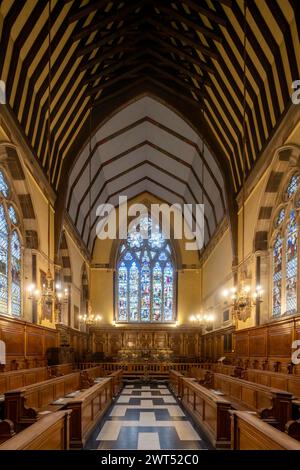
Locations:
column 10, row 254
column 145, row 276
column 277, row 275
column 291, row 263
column 15, row 274
column 285, row 253
column 4, row 241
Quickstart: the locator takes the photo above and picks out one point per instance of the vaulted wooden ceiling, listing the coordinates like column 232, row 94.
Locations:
column 192, row 49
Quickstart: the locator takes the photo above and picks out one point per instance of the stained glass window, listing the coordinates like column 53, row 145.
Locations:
column 280, row 217
column 285, row 253
column 10, row 255
column 15, row 274
column 145, row 276
column 277, row 275
column 4, row 189
column 12, row 215
column 292, row 186
column 291, row 263
column 3, row 261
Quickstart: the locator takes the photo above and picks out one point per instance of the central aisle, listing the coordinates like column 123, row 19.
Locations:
column 146, row 418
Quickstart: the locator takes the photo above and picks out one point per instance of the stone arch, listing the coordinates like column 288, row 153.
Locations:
column 14, row 168
column 285, row 161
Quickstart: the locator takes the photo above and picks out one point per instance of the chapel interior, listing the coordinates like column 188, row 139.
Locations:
column 188, row 342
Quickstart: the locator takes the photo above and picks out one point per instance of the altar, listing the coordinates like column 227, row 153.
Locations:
column 141, row 355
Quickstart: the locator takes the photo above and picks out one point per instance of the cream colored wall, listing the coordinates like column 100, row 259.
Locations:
column 77, row 260
column 40, row 205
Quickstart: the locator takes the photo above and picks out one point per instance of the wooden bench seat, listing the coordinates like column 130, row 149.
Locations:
column 23, row 377
column 273, row 405
column 208, row 409
column 288, row 382
column 21, row 405
column 87, row 408
column 50, row 433
column 251, row 433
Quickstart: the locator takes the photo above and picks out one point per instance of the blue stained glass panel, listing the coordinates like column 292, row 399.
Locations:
column 16, row 274
column 292, row 186
column 277, row 275
column 134, row 292
column 145, row 289
column 168, row 292
column 3, row 262
column 291, row 263
column 157, row 292
column 280, row 217
column 122, row 292
column 4, row 189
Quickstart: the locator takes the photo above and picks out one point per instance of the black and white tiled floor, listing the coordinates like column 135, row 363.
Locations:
column 146, row 417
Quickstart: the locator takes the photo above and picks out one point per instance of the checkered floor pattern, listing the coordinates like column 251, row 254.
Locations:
column 146, row 417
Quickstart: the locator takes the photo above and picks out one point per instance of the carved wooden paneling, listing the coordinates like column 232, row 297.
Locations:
column 182, row 342
column 258, row 342
column 280, row 339
column 12, row 333
column 26, row 343
column 242, row 344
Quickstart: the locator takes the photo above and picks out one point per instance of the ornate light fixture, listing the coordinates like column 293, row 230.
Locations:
column 243, row 298
column 90, row 319
column 204, row 319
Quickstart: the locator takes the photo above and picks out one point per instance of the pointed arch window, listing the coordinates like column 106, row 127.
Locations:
column 10, row 254
column 285, row 252
column 145, row 276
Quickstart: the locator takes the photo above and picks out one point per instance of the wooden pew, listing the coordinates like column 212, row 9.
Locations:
column 175, row 383
column 23, row 377
column 117, row 382
column 274, row 405
column 49, row 433
column 21, row 405
column 288, row 382
column 87, row 408
column 209, row 411
column 6, row 430
column 251, row 433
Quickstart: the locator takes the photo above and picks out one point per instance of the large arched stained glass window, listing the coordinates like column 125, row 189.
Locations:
column 145, row 278
column 10, row 254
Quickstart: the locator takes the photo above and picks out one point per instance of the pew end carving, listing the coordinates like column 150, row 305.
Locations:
column 6, row 430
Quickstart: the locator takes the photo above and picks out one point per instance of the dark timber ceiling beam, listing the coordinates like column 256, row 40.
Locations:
column 107, row 83
column 146, row 65
column 85, row 11
column 166, row 46
column 171, row 32
column 112, row 50
column 210, row 14
column 132, row 58
column 120, row 15
column 111, row 36
column 109, row 70
column 173, row 14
